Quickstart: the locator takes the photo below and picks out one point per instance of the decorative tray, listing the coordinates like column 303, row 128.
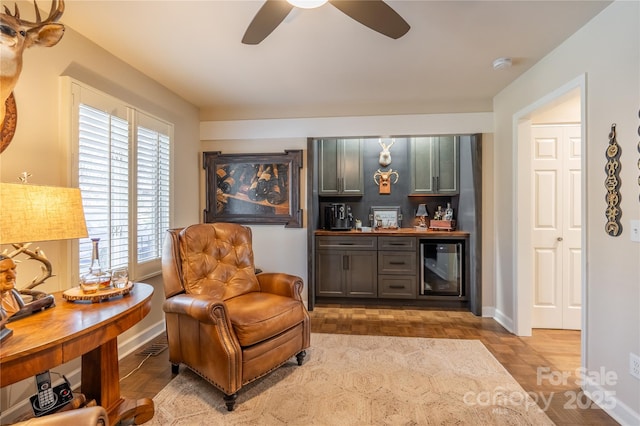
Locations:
column 76, row 294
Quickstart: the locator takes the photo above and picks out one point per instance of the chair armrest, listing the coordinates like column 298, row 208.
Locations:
column 81, row 416
column 201, row 307
column 281, row 284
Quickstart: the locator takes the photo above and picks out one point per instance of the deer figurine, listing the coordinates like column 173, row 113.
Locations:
column 16, row 35
column 385, row 154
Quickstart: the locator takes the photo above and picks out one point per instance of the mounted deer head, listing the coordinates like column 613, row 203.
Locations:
column 383, row 180
column 385, row 154
column 16, row 35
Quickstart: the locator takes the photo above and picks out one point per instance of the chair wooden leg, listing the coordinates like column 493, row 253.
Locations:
column 300, row 357
column 230, row 401
column 175, row 368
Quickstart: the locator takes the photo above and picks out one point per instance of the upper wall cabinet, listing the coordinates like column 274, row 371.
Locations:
column 435, row 165
column 340, row 170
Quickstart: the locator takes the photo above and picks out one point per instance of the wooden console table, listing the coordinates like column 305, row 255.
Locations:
column 68, row 330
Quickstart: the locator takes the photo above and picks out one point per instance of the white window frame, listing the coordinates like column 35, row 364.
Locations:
column 72, row 90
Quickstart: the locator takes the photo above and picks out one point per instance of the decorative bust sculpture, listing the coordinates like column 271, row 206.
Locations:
column 10, row 298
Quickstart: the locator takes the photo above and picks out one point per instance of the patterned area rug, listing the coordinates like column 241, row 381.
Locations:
column 363, row 380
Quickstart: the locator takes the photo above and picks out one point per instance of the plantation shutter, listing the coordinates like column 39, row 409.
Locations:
column 123, row 171
column 103, row 158
column 152, row 186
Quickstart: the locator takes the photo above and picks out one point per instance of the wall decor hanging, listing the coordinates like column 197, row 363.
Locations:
column 385, row 155
column 17, row 36
column 253, row 188
column 613, row 226
column 383, row 180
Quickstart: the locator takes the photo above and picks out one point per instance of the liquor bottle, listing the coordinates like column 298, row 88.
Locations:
column 228, row 185
column 262, row 188
column 252, row 192
column 244, row 180
column 96, row 278
column 277, row 193
column 438, row 214
column 221, row 173
column 448, row 213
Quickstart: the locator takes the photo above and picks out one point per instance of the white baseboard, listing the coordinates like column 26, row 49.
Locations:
column 125, row 348
column 610, row 404
column 503, row 320
column 135, row 342
column 488, row 311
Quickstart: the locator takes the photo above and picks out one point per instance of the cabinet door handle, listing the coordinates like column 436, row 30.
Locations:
column 396, row 286
column 397, row 244
column 345, row 262
column 396, row 263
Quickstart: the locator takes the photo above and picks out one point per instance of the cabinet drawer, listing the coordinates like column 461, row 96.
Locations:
column 347, row 243
column 397, row 243
column 390, row 262
column 397, row 286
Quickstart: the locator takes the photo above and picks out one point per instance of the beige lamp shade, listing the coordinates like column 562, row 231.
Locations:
column 422, row 211
column 31, row 213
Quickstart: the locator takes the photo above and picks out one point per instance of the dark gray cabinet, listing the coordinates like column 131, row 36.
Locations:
column 366, row 267
column 340, row 170
column 435, row 165
column 346, row 267
column 397, row 267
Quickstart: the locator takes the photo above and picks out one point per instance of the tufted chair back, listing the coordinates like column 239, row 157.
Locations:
column 217, row 260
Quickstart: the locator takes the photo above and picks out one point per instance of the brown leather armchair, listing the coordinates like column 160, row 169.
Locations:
column 223, row 321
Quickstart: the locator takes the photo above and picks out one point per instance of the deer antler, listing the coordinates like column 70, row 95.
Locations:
column 56, row 11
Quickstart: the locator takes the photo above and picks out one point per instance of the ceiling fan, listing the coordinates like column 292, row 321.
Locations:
column 375, row 14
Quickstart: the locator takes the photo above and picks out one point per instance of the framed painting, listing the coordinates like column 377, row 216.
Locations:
column 253, row 188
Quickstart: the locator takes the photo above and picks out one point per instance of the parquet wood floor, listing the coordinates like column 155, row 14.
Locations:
column 557, row 351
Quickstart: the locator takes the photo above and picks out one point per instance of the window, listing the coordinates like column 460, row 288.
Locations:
column 123, row 172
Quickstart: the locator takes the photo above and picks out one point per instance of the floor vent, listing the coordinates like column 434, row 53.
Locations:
column 154, row 349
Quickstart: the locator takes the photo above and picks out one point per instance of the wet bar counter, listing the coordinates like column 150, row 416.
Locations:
column 402, row 266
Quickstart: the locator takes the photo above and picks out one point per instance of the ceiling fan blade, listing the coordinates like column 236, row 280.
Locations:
column 270, row 15
column 375, row 14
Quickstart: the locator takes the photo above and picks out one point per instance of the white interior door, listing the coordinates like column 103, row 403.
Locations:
column 556, row 236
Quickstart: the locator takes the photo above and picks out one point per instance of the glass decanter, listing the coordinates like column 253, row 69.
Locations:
column 97, row 278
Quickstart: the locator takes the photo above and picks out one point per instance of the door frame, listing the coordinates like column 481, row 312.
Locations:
column 523, row 283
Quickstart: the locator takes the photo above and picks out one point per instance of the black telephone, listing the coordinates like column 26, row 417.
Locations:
column 49, row 399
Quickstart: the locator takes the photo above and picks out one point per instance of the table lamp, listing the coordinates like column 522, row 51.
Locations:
column 31, row 213
column 422, row 214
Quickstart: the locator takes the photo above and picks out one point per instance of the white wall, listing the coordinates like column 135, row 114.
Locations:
column 276, row 135
column 40, row 147
column 607, row 50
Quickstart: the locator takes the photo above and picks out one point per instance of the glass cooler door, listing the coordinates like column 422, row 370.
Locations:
column 441, row 271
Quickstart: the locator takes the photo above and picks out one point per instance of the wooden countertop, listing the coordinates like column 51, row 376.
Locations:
column 402, row 232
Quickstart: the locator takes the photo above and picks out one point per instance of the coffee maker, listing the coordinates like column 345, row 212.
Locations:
column 338, row 217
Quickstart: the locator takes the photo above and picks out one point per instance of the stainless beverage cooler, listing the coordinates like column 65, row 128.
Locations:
column 441, row 271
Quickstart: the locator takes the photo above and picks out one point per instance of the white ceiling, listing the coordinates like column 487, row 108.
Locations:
column 320, row 62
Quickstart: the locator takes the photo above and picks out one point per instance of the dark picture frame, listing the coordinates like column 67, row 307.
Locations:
column 253, row 188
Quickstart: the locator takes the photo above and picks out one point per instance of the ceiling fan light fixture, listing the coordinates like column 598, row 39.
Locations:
column 307, row 4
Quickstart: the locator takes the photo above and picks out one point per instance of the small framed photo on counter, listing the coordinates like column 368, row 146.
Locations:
column 388, row 217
